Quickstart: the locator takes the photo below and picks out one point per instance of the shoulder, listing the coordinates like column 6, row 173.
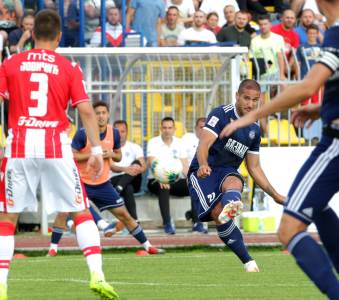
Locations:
column 331, row 39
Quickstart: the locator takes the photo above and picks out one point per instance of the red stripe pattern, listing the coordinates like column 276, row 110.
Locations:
column 91, row 250
column 7, row 229
column 4, row 264
column 3, row 184
column 81, row 218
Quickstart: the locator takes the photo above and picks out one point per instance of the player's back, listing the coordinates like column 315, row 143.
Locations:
column 39, row 84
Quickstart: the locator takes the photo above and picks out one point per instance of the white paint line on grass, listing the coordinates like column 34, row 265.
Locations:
column 204, row 285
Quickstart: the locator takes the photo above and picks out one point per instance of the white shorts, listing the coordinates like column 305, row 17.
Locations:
column 59, row 180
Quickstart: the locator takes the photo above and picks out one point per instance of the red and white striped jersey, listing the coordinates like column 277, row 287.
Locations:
column 39, row 84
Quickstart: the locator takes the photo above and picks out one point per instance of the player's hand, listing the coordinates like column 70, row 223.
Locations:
column 107, row 154
column 164, row 186
column 204, row 171
column 305, row 114
column 239, row 123
column 133, row 170
column 280, row 199
column 96, row 163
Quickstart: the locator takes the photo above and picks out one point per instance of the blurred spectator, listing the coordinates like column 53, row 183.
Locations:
column 197, row 34
column 229, row 14
column 163, row 146
column 92, row 16
column 126, row 174
column 307, row 18
column 197, row 4
column 114, row 32
column 170, row 31
column 291, row 38
column 299, row 5
column 186, row 10
column 237, row 32
column 146, row 16
column 267, row 48
column 218, row 6
column 191, row 141
column 10, row 12
column 21, row 39
column 212, row 22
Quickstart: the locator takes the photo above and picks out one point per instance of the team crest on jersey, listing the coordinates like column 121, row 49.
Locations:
column 10, row 202
column 213, row 121
column 78, row 199
column 251, row 134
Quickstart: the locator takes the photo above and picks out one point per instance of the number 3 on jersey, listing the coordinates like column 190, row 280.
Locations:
column 40, row 95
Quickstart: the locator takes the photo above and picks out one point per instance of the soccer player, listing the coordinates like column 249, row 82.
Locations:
column 39, row 85
column 318, row 179
column 213, row 178
column 100, row 190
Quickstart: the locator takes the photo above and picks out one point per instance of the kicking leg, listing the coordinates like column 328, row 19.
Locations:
column 7, row 231
column 309, row 255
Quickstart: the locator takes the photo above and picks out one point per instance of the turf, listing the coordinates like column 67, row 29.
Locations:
column 196, row 274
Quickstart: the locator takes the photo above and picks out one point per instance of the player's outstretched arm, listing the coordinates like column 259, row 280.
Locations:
column 288, row 98
column 89, row 121
column 305, row 115
column 255, row 170
column 206, row 141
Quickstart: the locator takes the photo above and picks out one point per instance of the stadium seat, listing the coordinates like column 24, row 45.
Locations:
column 283, row 133
column 180, row 129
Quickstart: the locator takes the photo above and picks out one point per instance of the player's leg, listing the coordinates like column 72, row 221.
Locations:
column 314, row 186
column 309, row 255
column 7, row 230
column 135, row 229
column 129, row 200
column 327, row 223
column 70, row 196
column 58, row 230
column 108, row 228
column 223, row 215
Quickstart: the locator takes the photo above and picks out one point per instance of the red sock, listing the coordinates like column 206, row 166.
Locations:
column 7, row 230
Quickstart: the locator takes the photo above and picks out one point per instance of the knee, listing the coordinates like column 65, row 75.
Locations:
column 288, row 228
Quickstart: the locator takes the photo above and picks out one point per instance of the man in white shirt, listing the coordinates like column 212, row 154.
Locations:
column 218, row 6
column 126, row 174
column 186, row 10
column 163, row 146
column 191, row 141
column 198, row 33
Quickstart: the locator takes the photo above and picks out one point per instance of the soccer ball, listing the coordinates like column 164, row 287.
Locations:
column 166, row 170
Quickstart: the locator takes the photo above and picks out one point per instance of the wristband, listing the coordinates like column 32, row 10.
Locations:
column 97, row 150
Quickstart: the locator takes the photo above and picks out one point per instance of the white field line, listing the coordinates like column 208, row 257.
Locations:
column 204, row 285
column 165, row 257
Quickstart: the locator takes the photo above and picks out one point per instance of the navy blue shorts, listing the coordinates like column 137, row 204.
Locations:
column 104, row 196
column 206, row 192
column 316, row 182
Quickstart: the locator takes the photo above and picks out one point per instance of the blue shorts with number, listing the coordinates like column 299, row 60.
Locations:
column 206, row 192
column 104, row 196
column 316, row 182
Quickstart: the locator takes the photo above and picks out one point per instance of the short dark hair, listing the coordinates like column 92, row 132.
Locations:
column 172, row 7
column 264, row 17
column 47, row 25
column 312, row 26
column 249, row 84
column 201, row 119
column 100, row 103
column 168, row 119
column 120, row 122
column 213, row 13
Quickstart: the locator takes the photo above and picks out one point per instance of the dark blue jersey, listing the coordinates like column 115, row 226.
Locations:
column 229, row 151
column 330, row 58
column 80, row 139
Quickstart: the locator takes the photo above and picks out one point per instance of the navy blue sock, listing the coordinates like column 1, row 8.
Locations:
column 314, row 262
column 230, row 195
column 95, row 215
column 230, row 234
column 328, row 228
column 56, row 235
column 138, row 234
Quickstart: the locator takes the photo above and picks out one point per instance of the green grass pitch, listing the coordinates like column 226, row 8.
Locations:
column 182, row 275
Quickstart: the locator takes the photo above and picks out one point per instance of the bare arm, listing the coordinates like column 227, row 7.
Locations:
column 206, row 141
column 129, row 16
column 287, row 98
column 133, row 170
column 255, row 170
column 18, row 8
column 184, row 162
